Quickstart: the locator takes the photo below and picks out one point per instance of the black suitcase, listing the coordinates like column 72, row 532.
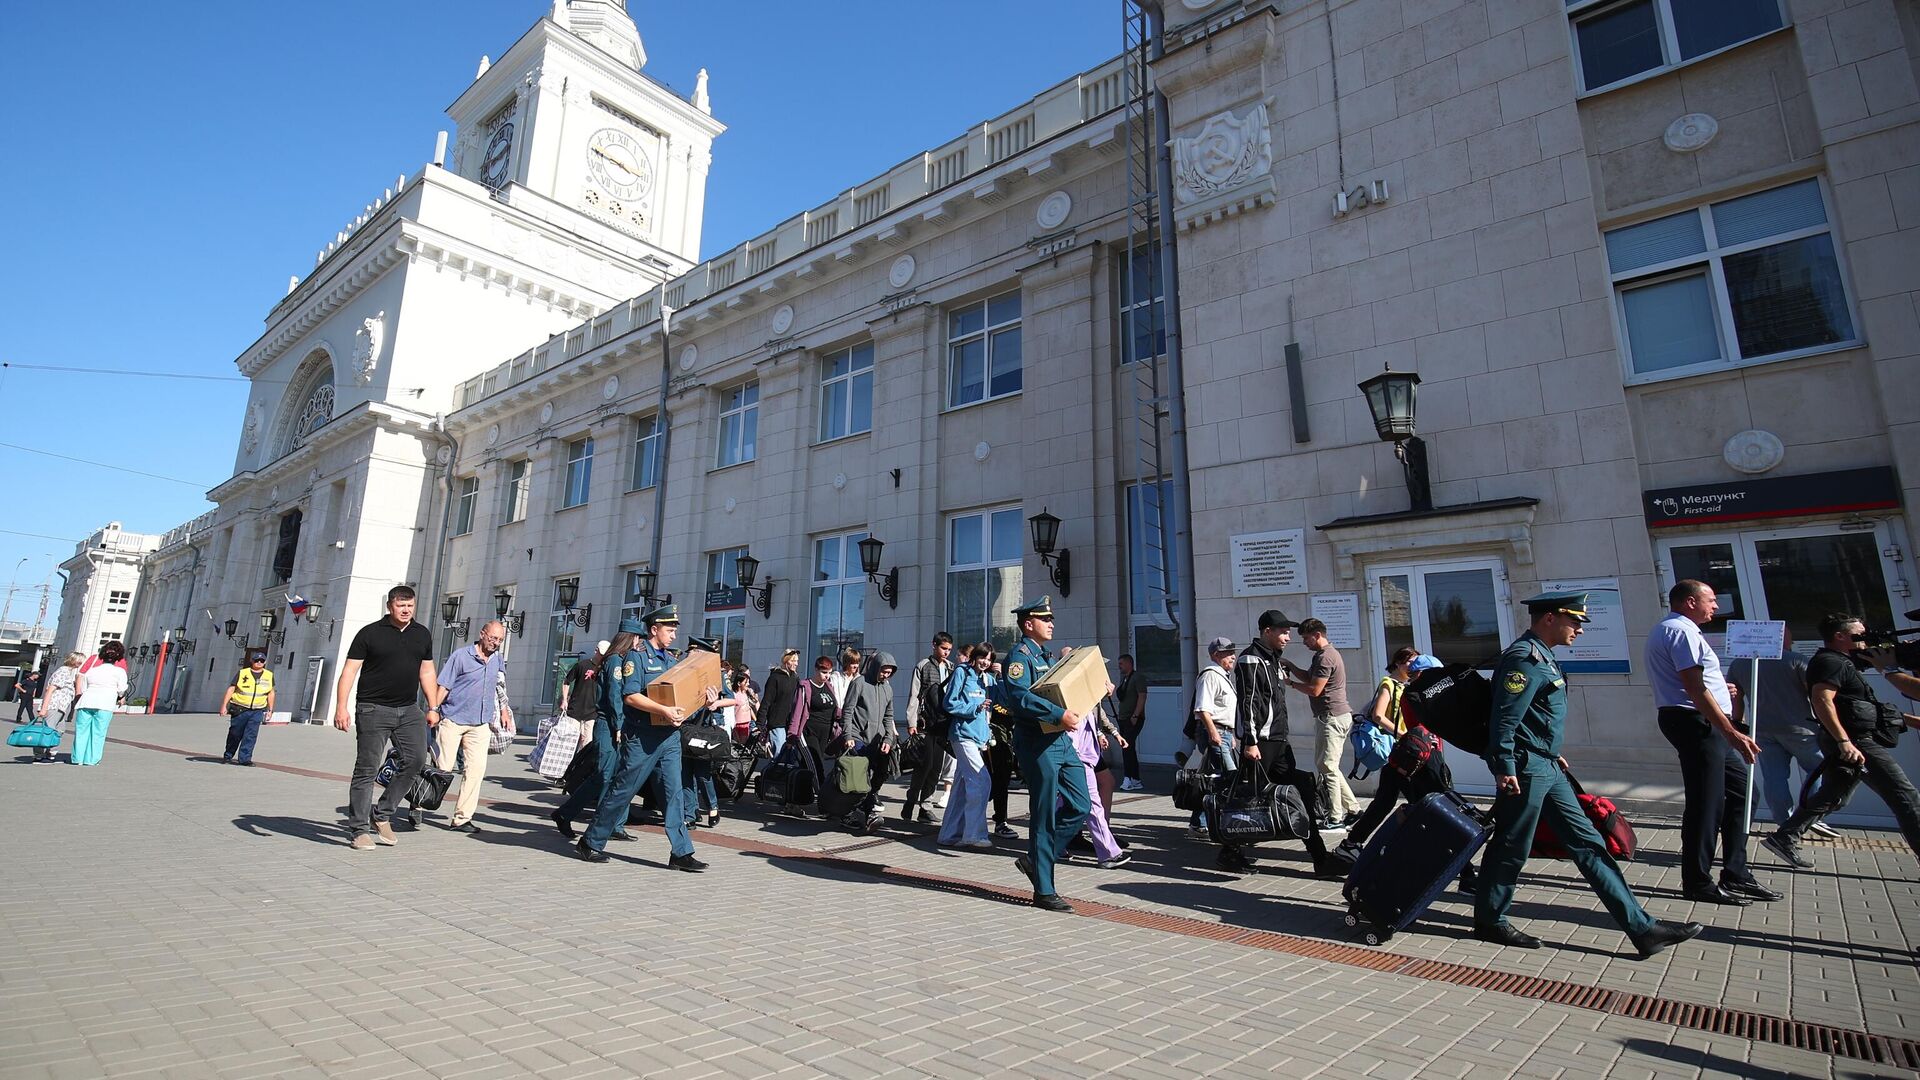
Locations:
column 1410, row 861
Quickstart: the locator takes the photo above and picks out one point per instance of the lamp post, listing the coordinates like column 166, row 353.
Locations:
column 1046, row 532
column 450, row 618
column 870, row 550
column 647, row 580
column 747, row 568
column 514, row 621
column 270, row 633
column 1390, row 398
column 567, row 591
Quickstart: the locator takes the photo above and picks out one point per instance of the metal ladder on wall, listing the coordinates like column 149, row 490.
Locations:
column 1140, row 272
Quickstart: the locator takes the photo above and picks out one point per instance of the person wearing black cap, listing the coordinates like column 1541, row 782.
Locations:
column 1260, row 727
column 1523, row 751
column 644, row 745
column 1058, row 800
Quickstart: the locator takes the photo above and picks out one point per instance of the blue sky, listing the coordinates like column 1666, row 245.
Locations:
column 172, row 165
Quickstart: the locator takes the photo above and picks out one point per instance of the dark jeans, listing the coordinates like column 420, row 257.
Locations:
column 1836, row 782
column 1000, row 765
column 926, row 771
column 1432, row 777
column 697, row 791
column 242, row 731
column 1715, row 779
column 376, row 726
column 1129, row 754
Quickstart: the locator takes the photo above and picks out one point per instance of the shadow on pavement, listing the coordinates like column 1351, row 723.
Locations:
column 296, row 827
column 844, row 869
column 1710, row 1063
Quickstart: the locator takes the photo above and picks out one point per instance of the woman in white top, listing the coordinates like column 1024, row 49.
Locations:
column 56, row 701
column 100, row 688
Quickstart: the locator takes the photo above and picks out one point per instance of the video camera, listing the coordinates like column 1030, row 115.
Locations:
column 1904, row 643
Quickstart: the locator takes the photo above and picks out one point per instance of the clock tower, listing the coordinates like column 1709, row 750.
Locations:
column 568, row 116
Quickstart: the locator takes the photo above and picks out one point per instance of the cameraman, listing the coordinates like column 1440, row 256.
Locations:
column 1858, row 735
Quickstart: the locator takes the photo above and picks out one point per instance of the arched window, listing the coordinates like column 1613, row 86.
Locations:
column 314, row 404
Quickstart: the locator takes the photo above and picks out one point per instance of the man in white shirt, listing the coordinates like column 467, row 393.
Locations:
column 1698, row 715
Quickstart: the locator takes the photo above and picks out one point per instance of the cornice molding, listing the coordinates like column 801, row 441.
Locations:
column 364, row 417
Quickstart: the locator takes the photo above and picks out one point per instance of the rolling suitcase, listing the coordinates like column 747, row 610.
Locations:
column 1410, row 861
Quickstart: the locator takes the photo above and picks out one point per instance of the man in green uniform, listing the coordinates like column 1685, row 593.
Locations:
column 1523, row 751
column 1056, row 780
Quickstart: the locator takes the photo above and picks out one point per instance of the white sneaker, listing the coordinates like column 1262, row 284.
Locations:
column 1822, row 829
column 977, row 845
column 1131, row 784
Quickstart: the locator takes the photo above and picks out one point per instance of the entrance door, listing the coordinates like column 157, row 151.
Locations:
column 1799, row 576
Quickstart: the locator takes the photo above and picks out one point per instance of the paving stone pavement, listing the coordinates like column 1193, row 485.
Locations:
column 165, row 915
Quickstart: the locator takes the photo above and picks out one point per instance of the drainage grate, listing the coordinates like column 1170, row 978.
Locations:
column 1754, row 1027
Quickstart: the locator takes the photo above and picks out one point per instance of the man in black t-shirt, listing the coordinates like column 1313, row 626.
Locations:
column 1857, row 736
column 392, row 660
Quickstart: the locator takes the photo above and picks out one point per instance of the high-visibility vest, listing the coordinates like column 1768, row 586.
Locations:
column 249, row 693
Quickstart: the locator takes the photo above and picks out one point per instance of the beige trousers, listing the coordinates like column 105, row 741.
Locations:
column 452, row 738
column 1329, row 742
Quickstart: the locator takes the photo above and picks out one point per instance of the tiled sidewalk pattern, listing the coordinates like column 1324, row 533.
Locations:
column 168, row 916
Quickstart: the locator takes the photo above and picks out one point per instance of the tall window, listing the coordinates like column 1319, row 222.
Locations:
column 519, row 477
column 839, row 615
column 846, row 392
column 579, row 472
column 726, row 603
column 466, row 497
column 633, row 603
column 1156, row 642
column 1736, row 282
column 1452, row 610
column 983, row 577
column 983, row 350
column 739, row 424
column 560, row 645
column 1616, row 41
column 1143, row 321
column 646, row 452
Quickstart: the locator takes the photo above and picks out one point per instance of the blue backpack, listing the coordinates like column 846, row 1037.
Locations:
column 1371, row 748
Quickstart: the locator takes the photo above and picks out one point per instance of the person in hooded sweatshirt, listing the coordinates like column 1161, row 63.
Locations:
column 866, row 718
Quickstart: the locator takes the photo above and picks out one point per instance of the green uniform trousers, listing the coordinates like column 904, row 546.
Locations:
column 1058, row 802
column 1544, row 791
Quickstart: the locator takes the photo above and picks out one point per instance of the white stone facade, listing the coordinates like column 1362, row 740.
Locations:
column 102, row 585
column 1423, row 186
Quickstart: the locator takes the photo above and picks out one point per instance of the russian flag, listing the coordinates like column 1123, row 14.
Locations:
column 297, row 604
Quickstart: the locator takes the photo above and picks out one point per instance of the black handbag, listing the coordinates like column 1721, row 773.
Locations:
column 705, row 742
column 429, row 788
column 585, row 764
column 1255, row 812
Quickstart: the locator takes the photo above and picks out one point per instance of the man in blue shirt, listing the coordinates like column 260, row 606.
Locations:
column 467, row 706
column 645, row 746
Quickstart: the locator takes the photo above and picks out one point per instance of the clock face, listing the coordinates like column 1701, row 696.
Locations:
column 498, row 160
column 617, row 163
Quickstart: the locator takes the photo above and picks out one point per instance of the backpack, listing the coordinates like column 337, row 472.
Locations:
column 1371, row 748
column 1454, row 702
column 851, row 774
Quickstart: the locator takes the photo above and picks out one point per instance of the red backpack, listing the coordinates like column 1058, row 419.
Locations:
column 1613, row 826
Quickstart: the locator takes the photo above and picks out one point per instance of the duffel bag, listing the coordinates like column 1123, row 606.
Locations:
column 1191, row 788
column 584, row 766
column 706, row 742
column 1413, row 751
column 1613, row 827
column 1244, row 814
column 1454, row 702
column 36, row 735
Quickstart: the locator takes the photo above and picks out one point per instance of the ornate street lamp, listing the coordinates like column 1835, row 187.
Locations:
column 514, row 621
column 870, row 550
column 1046, row 533
column 450, row 618
column 1390, row 398
column 747, row 568
column 567, row 591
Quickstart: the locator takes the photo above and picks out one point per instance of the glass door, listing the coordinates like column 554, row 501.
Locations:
column 1457, row 611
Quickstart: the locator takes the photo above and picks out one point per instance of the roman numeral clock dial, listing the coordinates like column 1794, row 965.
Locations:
column 619, row 166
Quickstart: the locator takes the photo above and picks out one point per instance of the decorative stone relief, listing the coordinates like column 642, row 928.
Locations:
column 901, row 272
column 839, row 481
column 689, row 356
column 546, row 413
column 611, row 388
column 443, row 455
column 250, row 434
column 731, row 504
column 493, row 435
column 1754, row 451
column 1691, row 132
column 1053, row 210
column 783, row 319
column 981, row 450
column 366, row 346
column 1228, row 152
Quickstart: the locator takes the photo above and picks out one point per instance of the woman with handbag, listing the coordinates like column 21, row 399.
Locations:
column 99, row 691
column 56, row 701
